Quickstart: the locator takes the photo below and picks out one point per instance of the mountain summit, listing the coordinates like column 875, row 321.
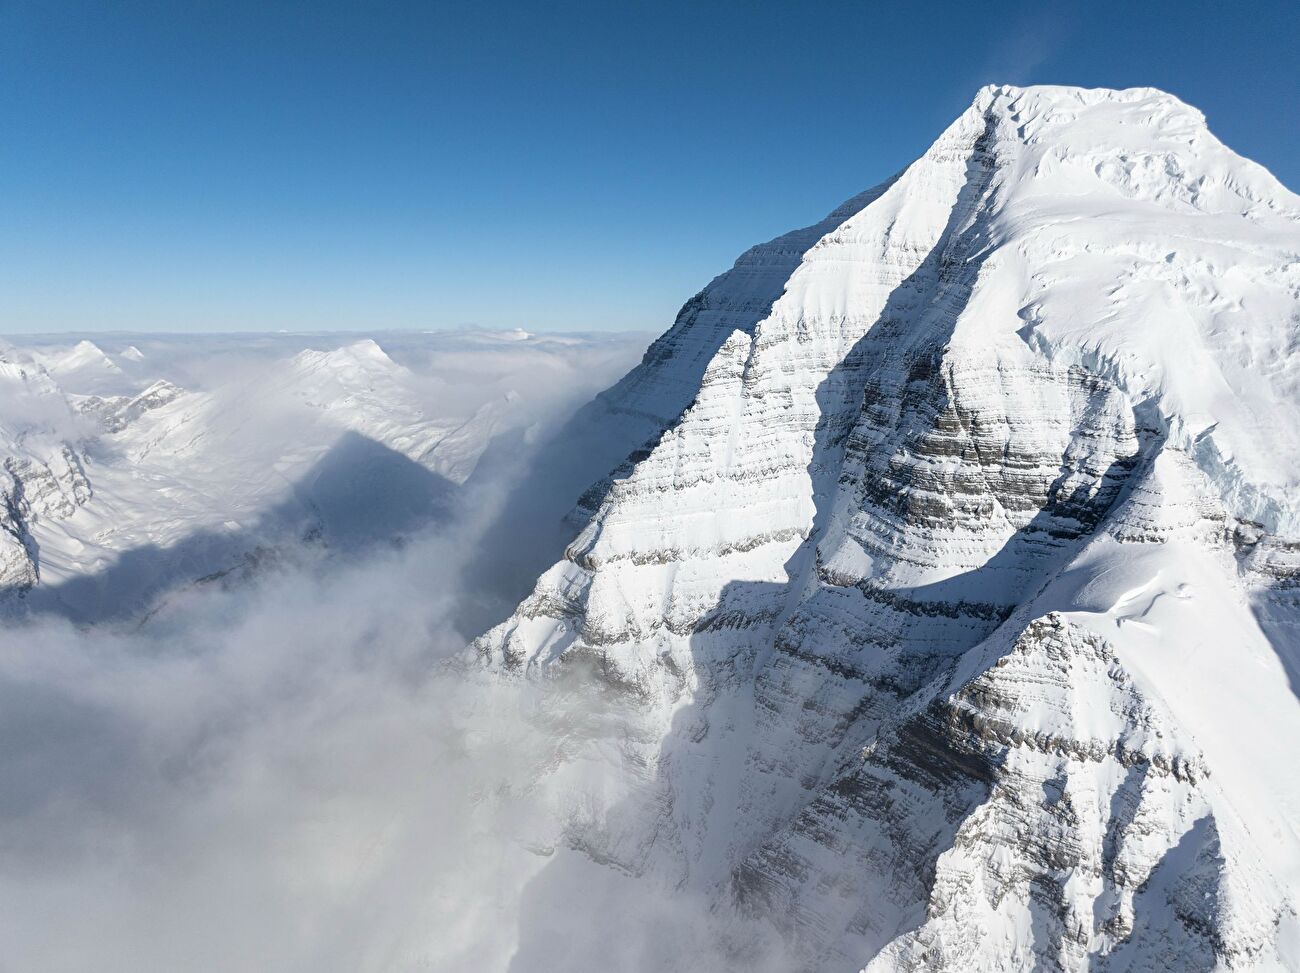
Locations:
column 955, row 583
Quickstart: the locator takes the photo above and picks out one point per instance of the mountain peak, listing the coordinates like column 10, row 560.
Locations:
column 365, row 355
column 935, row 495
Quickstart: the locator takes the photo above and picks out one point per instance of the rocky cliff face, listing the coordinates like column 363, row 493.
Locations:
column 42, row 475
column 955, row 578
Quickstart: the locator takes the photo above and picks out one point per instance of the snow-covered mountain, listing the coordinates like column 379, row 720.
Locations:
column 955, row 582
column 138, row 463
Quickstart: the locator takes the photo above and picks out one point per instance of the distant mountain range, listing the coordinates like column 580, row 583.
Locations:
column 133, row 464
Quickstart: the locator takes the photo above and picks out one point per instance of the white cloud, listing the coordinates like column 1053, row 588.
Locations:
column 295, row 774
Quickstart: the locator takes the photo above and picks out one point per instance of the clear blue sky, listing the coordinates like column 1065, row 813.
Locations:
column 234, row 165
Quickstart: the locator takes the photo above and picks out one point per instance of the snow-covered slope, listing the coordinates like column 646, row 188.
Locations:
column 143, row 462
column 956, row 578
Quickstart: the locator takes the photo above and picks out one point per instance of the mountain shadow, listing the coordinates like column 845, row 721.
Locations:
column 358, row 496
column 1277, row 610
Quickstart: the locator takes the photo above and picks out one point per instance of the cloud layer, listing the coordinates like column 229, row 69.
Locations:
column 306, row 768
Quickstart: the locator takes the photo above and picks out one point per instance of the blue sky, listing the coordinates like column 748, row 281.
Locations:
column 292, row 165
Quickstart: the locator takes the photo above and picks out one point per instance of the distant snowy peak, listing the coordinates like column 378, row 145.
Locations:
column 83, row 355
column 200, row 448
column 341, row 378
column 83, row 368
column 960, row 521
column 360, row 356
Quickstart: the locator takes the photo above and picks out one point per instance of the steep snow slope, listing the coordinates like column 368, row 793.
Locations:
column 955, row 580
column 160, row 461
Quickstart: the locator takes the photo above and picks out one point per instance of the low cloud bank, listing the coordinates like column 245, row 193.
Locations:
column 240, row 781
column 308, row 771
column 307, row 774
